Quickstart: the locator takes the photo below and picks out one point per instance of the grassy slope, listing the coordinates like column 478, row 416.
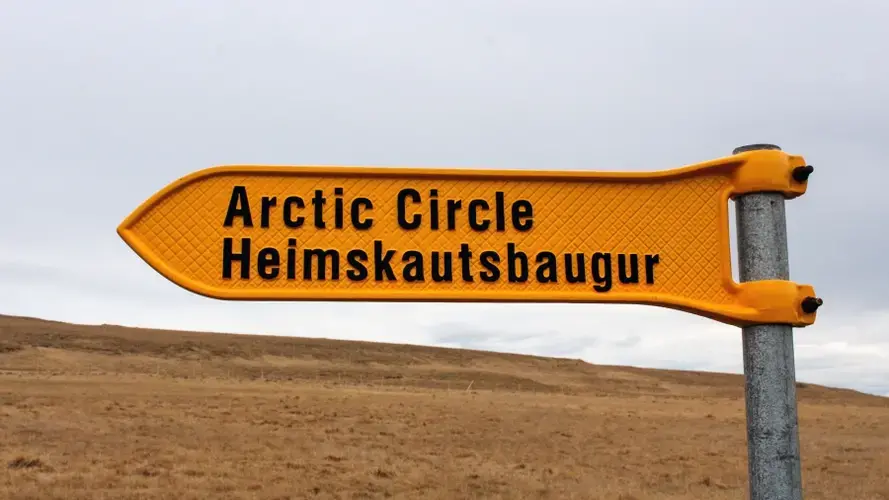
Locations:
column 139, row 413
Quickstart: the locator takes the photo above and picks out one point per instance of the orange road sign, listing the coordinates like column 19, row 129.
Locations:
column 402, row 234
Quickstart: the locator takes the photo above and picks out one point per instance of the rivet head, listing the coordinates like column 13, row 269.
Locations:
column 801, row 174
column 811, row 304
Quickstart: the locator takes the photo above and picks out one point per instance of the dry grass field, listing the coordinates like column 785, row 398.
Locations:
column 118, row 413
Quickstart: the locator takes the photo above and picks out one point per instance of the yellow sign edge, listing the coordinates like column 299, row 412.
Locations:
column 754, row 170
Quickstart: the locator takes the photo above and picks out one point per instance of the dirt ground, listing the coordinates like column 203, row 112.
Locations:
column 117, row 413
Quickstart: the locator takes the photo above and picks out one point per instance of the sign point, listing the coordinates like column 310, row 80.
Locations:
column 660, row 238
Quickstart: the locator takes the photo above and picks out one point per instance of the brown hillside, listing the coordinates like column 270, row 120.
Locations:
column 108, row 411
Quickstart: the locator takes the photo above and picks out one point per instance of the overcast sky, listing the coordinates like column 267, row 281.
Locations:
column 104, row 103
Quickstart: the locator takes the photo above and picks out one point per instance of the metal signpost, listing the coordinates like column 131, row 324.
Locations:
column 770, row 389
column 661, row 238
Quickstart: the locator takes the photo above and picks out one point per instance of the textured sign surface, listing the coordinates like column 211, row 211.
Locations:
column 353, row 233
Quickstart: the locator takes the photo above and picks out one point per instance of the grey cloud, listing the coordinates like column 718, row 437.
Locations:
column 629, row 341
column 526, row 340
column 472, row 339
column 75, row 278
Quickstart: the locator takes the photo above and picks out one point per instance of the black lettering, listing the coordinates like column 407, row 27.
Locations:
column 465, row 256
column 453, row 205
column 356, row 258
column 511, row 257
column 402, row 196
column 291, row 258
column 473, row 215
column 413, row 271
column 321, row 256
column 630, row 275
column 381, row 262
column 650, row 261
column 500, row 206
column 238, row 206
column 338, row 208
column 267, row 204
column 243, row 258
column 318, row 202
column 357, row 223
column 433, row 209
column 520, row 210
column 267, row 262
column 437, row 274
column 492, row 272
column 603, row 280
column 547, row 272
column 570, row 275
column 289, row 202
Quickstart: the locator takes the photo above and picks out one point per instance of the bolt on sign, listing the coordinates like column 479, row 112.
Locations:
column 403, row 234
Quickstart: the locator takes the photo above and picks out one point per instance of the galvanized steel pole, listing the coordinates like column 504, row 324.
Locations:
column 770, row 389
